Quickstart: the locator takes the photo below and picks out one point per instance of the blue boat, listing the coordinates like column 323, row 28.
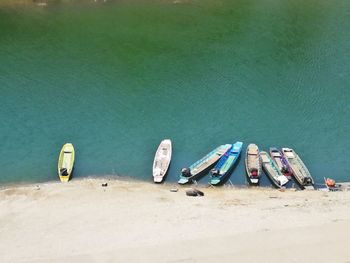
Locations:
column 201, row 166
column 226, row 163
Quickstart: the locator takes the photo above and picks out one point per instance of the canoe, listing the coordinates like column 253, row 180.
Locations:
column 253, row 164
column 198, row 168
column 299, row 169
column 162, row 160
column 66, row 162
column 281, row 162
column 226, row 163
column 272, row 171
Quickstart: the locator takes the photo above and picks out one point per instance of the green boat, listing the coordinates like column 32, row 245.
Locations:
column 197, row 169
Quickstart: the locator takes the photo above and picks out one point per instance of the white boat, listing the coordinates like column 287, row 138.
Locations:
column 272, row 171
column 162, row 160
column 253, row 164
column 299, row 169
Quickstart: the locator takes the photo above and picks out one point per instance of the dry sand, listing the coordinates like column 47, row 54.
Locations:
column 81, row 221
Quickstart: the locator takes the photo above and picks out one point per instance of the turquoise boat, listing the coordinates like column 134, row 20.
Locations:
column 226, row 163
column 198, row 168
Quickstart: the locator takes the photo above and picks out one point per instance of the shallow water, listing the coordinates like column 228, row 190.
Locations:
column 116, row 77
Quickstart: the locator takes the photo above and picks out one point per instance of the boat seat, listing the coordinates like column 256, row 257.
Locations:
column 67, row 157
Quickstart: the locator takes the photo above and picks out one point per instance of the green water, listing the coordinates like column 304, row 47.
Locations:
column 115, row 78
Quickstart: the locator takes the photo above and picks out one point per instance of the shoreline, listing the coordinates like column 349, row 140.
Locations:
column 117, row 178
column 114, row 177
column 132, row 221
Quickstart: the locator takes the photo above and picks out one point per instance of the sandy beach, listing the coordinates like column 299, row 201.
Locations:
column 130, row 221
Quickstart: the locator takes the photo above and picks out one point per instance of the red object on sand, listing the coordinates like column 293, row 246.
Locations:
column 330, row 182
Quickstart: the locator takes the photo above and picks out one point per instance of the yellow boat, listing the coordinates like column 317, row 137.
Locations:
column 66, row 162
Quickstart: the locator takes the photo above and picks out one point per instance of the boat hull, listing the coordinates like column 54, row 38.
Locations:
column 226, row 164
column 162, row 160
column 281, row 162
column 253, row 163
column 189, row 180
column 299, row 170
column 65, row 164
column 272, row 171
column 202, row 166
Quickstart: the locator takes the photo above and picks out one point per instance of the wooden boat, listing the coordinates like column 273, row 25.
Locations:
column 272, row 171
column 66, row 162
column 198, row 168
column 162, row 160
column 253, row 164
column 298, row 168
column 226, row 164
column 281, row 162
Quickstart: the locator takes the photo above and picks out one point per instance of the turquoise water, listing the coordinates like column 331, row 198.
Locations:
column 115, row 78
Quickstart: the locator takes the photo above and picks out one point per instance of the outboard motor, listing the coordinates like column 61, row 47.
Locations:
column 308, row 180
column 186, row 172
column 215, row 172
column 64, row 171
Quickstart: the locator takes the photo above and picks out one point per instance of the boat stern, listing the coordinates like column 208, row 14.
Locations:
column 185, row 176
column 215, row 181
column 282, row 180
column 158, row 179
column 64, row 179
column 157, row 175
column 254, row 180
column 183, row 180
column 308, row 187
